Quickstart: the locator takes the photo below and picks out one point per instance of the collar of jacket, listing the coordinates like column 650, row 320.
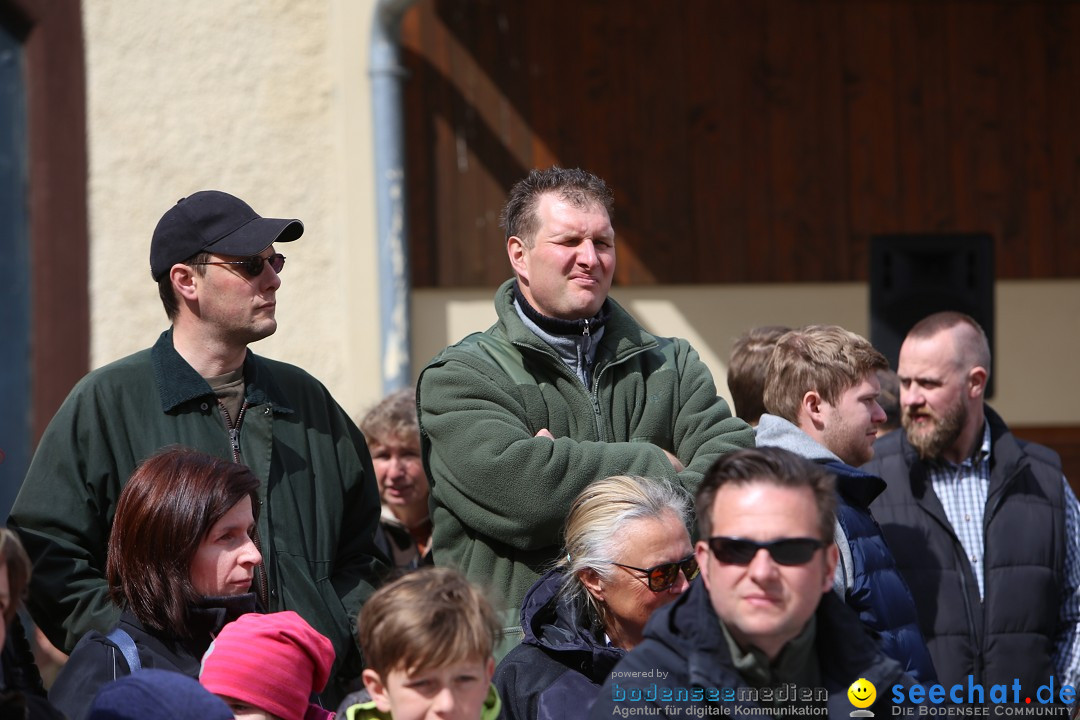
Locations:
column 214, row 613
column 366, row 710
column 177, row 382
column 623, row 336
column 858, row 487
column 844, row 647
column 555, row 326
column 204, row 621
column 553, row 623
column 797, row 662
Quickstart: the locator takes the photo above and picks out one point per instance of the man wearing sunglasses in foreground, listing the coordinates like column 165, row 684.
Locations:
column 217, row 271
column 821, row 394
column 762, row 626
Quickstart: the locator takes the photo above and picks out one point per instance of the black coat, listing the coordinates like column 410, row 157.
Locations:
column 685, row 649
column 96, row 661
column 558, row 668
column 1010, row 633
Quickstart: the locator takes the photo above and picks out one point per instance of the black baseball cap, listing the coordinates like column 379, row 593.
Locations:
column 217, row 222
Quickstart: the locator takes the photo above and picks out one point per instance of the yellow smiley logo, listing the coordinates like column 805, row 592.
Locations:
column 862, row 693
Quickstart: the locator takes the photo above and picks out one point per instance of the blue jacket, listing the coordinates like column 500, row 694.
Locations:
column 873, row 585
column 557, row 670
column 879, row 593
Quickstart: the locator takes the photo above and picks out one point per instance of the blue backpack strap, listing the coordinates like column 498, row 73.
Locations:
column 119, row 637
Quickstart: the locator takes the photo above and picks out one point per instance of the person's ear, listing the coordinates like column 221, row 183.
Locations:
column 593, row 583
column 812, row 410
column 518, row 254
column 832, row 557
column 977, row 378
column 184, row 282
column 489, row 671
column 702, row 553
column 377, row 689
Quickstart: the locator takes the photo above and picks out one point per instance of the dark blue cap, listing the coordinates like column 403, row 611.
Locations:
column 157, row 694
column 217, row 222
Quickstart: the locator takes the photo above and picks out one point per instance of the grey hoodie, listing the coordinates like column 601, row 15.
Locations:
column 775, row 431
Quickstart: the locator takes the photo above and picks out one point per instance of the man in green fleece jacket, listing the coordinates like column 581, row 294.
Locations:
column 217, row 272
column 566, row 388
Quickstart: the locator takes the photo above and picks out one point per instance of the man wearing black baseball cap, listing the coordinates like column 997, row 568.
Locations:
column 217, row 270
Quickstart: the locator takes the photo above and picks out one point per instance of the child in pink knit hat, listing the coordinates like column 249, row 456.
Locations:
column 266, row 667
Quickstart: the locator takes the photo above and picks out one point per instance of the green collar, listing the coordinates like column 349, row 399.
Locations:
column 797, row 662
column 368, row 711
column 177, row 382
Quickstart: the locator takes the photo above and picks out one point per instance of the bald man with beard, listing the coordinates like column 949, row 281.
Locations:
column 983, row 525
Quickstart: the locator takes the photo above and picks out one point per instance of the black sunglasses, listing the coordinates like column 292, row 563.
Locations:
column 663, row 576
column 253, row 265
column 785, row 551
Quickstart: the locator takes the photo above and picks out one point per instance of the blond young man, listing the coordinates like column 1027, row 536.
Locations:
column 821, row 393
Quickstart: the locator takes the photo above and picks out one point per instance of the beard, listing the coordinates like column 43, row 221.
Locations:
column 931, row 439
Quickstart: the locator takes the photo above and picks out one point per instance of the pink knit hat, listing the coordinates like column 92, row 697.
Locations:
column 273, row 662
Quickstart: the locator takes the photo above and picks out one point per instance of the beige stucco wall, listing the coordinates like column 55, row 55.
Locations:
column 1038, row 343
column 267, row 100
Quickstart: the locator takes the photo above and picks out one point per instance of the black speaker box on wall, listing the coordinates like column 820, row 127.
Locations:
column 912, row 276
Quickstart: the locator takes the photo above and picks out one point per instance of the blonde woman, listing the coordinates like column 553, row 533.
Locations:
column 627, row 553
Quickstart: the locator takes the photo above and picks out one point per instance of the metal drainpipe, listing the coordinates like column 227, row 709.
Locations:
column 387, row 77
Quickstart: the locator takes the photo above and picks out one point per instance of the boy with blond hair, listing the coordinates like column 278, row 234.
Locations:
column 427, row 640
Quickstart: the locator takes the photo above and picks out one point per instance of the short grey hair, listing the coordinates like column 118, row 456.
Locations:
column 597, row 517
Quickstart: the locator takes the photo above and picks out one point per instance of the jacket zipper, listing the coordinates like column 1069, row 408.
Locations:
column 593, row 395
column 261, row 583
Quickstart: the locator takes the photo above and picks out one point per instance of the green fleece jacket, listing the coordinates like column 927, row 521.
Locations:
column 500, row 495
column 320, row 505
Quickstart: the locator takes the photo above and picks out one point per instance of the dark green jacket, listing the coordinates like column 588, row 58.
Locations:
column 499, row 495
column 320, row 504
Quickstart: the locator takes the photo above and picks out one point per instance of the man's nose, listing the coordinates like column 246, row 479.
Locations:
column 270, row 277
column 877, row 414
column 587, row 256
column 762, row 566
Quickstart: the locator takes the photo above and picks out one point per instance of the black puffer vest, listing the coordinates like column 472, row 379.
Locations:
column 1011, row 633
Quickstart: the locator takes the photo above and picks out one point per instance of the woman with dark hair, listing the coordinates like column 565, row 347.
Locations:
column 180, row 563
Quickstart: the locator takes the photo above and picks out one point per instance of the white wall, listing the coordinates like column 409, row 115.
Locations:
column 267, row 100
